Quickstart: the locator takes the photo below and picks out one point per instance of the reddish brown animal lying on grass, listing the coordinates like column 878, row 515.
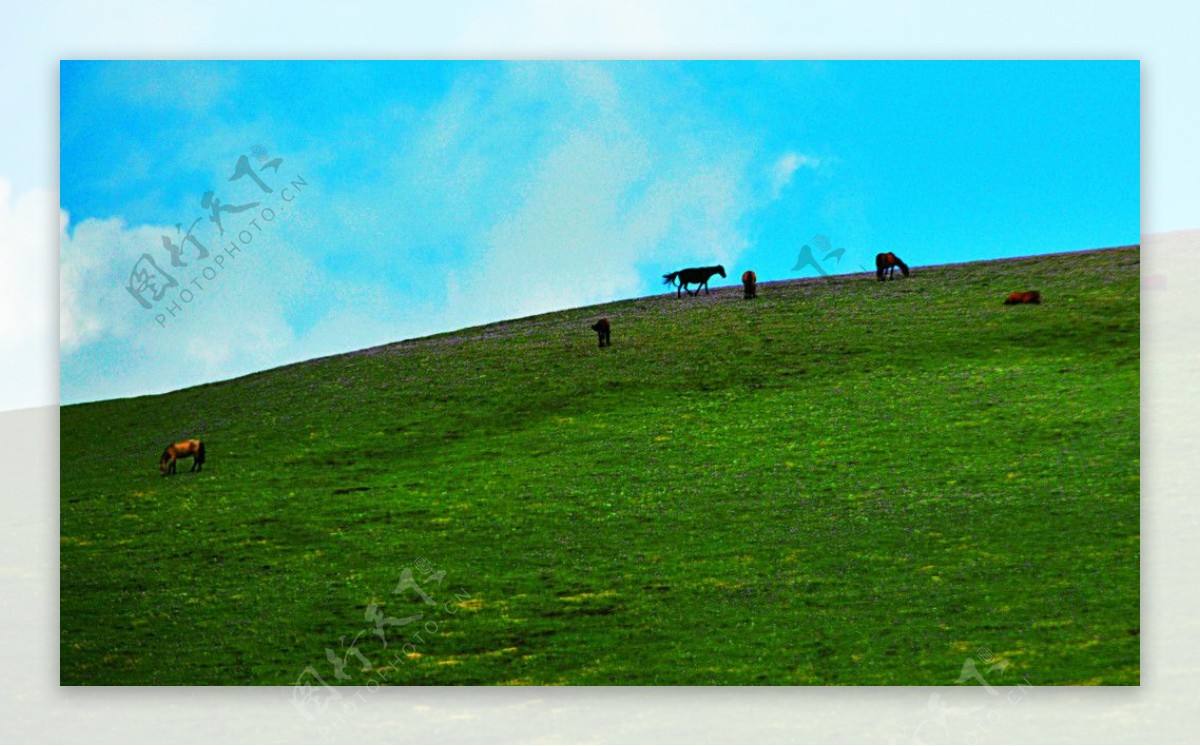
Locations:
column 750, row 283
column 1031, row 296
column 604, row 332
column 183, row 449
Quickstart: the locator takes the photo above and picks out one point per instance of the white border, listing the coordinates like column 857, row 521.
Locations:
column 33, row 708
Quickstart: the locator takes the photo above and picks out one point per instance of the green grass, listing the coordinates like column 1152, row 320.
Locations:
column 841, row 482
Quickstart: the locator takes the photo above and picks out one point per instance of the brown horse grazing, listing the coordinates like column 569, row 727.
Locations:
column 183, row 449
column 698, row 275
column 1031, row 296
column 750, row 283
column 604, row 332
column 888, row 262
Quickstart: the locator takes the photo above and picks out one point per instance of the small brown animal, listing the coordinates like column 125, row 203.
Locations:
column 750, row 283
column 183, row 449
column 1031, row 296
column 604, row 332
column 885, row 266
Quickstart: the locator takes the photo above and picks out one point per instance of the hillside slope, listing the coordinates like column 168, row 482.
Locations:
column 841, row 482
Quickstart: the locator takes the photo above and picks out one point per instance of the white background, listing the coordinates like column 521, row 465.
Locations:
column 1161, row 35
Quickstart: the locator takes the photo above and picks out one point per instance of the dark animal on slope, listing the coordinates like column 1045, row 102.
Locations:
column 694, row 275
column 183, row 449
column 1031, row 296
column 604, row 332
column 750, row 284
column 887, row 262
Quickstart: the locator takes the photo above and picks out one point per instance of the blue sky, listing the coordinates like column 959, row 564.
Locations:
column 436, row 195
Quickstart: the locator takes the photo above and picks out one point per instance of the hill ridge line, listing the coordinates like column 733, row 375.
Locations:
column 376, row 349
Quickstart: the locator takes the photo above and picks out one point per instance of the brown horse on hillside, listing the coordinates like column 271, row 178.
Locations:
column 1031, row 296
column 183, row 449
column 888, row 262
column 604, row 331
column 750, row 283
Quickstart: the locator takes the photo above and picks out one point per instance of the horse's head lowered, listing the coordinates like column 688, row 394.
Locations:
column 164, row 461
column 721, row 270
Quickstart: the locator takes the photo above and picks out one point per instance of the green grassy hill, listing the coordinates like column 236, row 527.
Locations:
column 841, row 482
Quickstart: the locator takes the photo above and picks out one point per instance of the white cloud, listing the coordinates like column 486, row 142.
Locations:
column 615, row 189
column 237, row 325
column 90, row 259
column 598, row 196
column 785, row 169
column 30, row 375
